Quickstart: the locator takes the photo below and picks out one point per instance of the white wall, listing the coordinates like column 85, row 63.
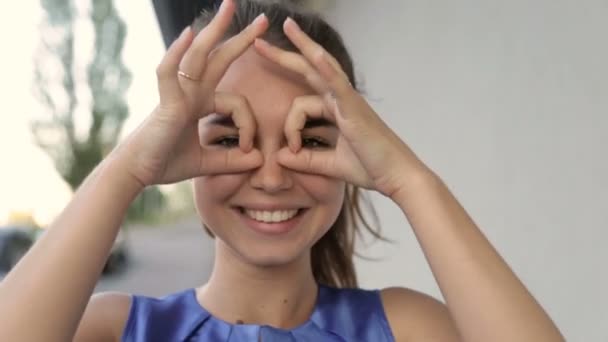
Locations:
column 508, row 102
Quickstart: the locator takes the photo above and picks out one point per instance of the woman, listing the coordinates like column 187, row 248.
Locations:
column 277, row 140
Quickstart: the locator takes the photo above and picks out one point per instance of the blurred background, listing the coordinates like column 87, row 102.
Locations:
column 79, row 77
column 506, row 101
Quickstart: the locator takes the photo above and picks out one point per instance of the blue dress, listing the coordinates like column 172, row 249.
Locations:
column 340, row 315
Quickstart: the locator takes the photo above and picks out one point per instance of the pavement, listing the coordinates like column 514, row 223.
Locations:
column 164, row 260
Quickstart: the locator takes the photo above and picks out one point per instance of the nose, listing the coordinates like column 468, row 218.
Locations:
column 271, row 177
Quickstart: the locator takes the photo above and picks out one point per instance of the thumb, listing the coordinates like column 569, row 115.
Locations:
column 308, row 161
column 234, row 160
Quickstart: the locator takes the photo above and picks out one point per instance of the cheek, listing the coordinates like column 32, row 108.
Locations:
column 328, row 192
column 212, row 191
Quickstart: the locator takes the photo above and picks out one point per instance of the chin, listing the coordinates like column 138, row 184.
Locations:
column 269, row 244
column 275, row 256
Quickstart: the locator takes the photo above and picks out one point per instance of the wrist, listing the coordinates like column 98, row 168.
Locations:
column 114, row 168
column 414, row 183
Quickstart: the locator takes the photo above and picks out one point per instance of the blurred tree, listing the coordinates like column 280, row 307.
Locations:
column 76, row 153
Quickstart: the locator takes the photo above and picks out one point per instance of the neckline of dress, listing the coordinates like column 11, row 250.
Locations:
column 304, row 325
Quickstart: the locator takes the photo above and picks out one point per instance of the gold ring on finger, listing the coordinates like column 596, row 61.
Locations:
column 187, row 76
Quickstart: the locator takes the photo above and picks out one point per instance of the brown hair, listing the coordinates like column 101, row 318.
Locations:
column 332, row 255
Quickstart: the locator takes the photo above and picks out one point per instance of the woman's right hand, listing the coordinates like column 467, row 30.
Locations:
column 165, row 148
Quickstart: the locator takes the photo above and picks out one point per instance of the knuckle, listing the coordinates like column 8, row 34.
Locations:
column 319, row 55
column 311, row 76
column 242, row 112
column 160, row 71
column 298, row 102
column 240, row 103
column 215, row 52
column 240, row 100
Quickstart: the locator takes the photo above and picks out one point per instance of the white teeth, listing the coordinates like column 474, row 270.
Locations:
column 271, row 216
column 276, row 216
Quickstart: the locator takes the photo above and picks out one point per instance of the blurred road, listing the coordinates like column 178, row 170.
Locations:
column 164, row 260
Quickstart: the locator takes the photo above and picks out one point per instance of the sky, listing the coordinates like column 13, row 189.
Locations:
column 28, row 180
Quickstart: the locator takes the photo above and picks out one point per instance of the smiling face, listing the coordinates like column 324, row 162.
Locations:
column 270, row 215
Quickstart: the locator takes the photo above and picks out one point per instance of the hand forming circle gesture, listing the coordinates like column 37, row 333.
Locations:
column 368, row 153
column 165, row 148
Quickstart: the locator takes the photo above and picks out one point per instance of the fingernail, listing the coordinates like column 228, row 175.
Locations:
column 295, row 147
column 222, row 5
column 246, row 146
column 184, row 31
column 290, row 21
column 259, row 18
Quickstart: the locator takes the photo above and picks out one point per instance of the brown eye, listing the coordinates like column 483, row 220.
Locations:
column 227, row 141
column 314, row 143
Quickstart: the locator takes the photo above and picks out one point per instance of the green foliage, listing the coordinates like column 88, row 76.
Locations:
column 57, row 79
column 148, row 207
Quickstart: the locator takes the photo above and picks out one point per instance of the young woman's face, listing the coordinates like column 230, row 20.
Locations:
column 252, row 213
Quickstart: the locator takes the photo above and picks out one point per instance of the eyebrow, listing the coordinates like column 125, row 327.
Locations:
column 226, row 121
column 222, row 120
column 318, row 122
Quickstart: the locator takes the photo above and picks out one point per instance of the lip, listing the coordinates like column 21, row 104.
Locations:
column 270, row 228
column 268, row 207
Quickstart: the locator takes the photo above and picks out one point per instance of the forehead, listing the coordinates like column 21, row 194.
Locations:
column 269, row 88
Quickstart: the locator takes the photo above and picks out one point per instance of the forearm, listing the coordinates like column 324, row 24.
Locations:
column 485, row 298
column 50, row 287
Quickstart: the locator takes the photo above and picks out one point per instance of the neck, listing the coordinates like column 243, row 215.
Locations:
column 282, row 296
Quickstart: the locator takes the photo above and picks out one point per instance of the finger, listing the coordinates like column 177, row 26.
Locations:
column 327, row 66
column 221, row 59
column 234, row 160
column 240, row 110
column 195, row 59
column 292, row 61
column 309, row 161
column 329, row 163
column 166, row 72
column 302, row 108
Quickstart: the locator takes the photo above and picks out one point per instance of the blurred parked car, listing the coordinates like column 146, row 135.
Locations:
column 16, row 240
column 14, row 243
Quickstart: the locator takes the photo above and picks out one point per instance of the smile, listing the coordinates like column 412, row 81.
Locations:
column 273, row 222
column 271, row 216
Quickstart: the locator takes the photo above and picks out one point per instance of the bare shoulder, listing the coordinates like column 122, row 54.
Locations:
column 104, row 318
column 414, row 316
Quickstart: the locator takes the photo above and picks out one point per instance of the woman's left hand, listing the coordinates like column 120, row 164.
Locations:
column 368, row 153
